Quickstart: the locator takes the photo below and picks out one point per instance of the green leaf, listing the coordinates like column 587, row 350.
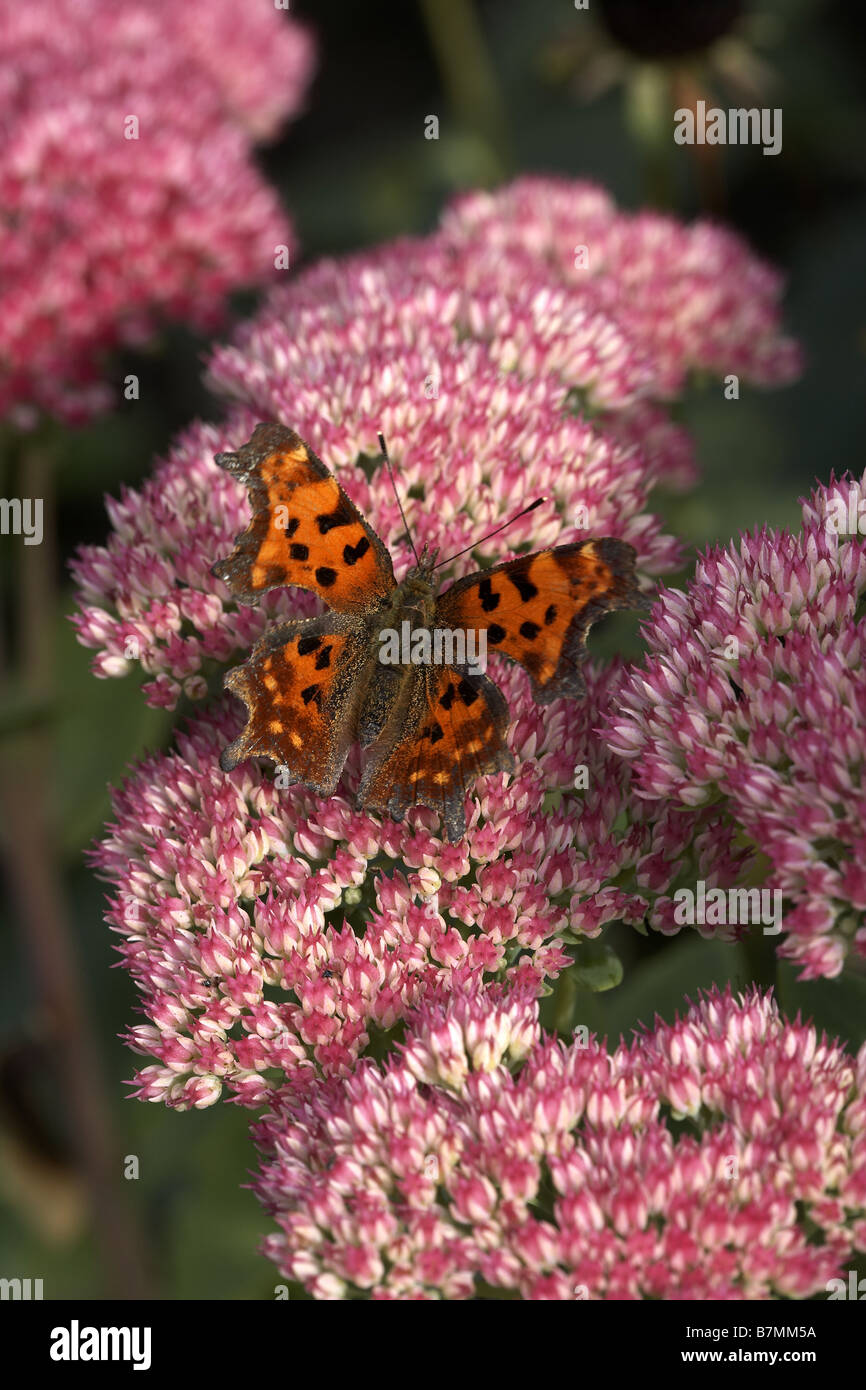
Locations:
column 681, row 967
column 837, row 1007
column 597, row 967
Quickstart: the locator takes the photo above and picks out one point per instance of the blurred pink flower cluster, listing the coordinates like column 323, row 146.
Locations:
column 128, row 192
column 755, row 691
column 682, row 298
column 720, row 1157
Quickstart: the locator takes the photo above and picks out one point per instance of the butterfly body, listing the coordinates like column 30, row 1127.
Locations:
column 384, row 689
column 413, row 601
column 315, row 686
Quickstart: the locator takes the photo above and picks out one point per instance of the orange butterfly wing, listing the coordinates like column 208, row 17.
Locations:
column 302, row 686
column 538, row 609
column 449, row 730
column 304, row 529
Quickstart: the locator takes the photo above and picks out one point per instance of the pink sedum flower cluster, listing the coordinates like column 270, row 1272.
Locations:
column 106, row 228
column 683, row 298
column 494, row 382
column 755, row 692
column 273, row 932
column 700, row 1162
column 260, row 61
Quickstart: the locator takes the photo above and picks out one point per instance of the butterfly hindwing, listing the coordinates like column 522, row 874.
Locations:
column 538, row 608
column 302, row 686
column 304, row 529
column 448, row 730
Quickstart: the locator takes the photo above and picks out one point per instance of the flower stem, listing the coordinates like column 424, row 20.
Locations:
column 761, row 962
column 468, row 75
column 29, row 847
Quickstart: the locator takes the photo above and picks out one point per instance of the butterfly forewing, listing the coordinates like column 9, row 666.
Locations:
column 538, row 609
column 304, row 530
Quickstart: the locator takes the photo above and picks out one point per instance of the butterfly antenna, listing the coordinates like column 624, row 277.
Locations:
column 537, row 503
column 384, row 449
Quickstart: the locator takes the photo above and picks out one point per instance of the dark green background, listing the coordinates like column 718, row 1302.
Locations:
column 355, row 170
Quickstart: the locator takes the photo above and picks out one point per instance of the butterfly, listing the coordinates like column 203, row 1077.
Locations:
column 314, row 686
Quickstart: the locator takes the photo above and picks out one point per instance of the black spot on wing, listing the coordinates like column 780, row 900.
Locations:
column 325, row 575
column 524, row 585
column 489, row 600
column 353, row 553
column 342, row 515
